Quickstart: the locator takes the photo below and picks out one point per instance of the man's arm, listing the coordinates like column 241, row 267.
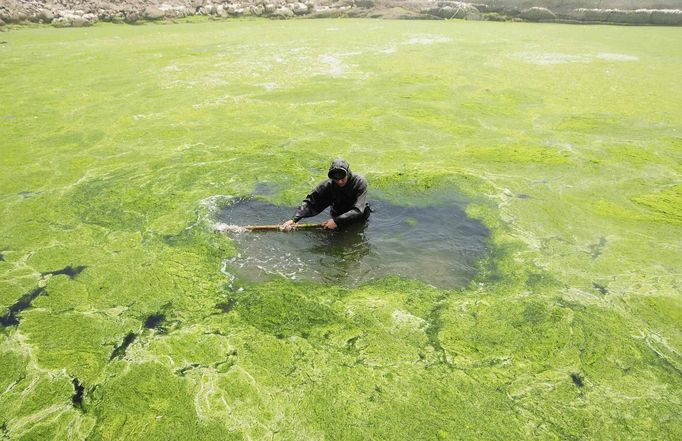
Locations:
column 315, row 202
column 312, row 205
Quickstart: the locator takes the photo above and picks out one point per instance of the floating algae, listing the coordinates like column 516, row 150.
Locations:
column 438, row 245
column 595, row 145
column 226, row 306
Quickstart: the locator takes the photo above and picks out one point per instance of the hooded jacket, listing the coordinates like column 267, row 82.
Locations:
column 348, row 203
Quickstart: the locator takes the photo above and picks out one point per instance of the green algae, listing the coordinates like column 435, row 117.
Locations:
column 118, row 139
column 666, row 205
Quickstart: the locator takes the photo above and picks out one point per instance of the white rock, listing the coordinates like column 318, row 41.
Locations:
column 300, row 9
column 283, row 12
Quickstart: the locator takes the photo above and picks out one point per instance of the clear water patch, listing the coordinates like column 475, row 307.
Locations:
column 439, row 245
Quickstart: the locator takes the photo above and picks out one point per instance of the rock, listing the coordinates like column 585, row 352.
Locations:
column 61, row 22
column 441, row 12
column 668, row 17
column 449, row 10
column 494, row 16
column 44, row 16
column 327, row 12
column 130, row 11
column 74, row 19
column 208, row 9
column 300, row 9
column 14, row 16
column 78, row 21
column 639, row 16
column 282, row 13
column 89, row 19
column 398, row 13
column 357, row 13
column 119, row 18
column 575, row 15
column 344, row 3
column 131, row 17
column 234, row 10
column 473, row 16
column 170, row 11
column 153, row 13
column 257, row 10
column 484, row 9
column 537, row 14
column 582, row 14
column 365, row 3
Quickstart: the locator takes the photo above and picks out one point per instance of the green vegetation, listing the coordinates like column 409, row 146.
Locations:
column 117, row 142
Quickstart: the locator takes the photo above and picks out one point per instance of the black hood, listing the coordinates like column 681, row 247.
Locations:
column 337, row 166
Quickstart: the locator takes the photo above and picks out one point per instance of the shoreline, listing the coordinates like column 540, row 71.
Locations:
column 89, row 12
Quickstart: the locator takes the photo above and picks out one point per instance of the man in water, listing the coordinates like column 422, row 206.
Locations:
column 346, row 192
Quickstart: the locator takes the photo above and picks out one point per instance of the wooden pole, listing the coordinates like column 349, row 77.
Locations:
column 276, row 227
column 225, row 228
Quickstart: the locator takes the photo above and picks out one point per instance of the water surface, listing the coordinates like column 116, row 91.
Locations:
column 438, row 245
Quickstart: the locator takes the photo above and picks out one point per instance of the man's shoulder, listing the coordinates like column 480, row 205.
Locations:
column 327, row 183
column 360, row 178
column 360, row 181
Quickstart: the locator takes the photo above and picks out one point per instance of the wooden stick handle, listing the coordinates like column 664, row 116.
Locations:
column 276, row 227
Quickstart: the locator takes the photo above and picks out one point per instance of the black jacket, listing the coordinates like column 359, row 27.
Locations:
column 348, row 203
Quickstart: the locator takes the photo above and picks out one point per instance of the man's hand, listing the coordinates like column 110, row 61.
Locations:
column 288, row 225
column 329, row 224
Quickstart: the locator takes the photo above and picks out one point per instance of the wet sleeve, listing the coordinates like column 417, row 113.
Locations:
column 315, row 202
column 358, row 209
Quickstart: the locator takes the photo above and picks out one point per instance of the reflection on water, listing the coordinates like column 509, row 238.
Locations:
column 438, row 245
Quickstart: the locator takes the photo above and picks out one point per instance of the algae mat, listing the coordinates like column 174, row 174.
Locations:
column 121, row 143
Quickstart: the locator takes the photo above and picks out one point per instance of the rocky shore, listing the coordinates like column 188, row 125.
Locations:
column 76, row 13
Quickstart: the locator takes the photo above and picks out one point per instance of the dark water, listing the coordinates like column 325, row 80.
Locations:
column 11, row 317
column 120, row 350
column 68, row 271
column 78, row 391
column 438, row 245
column 154, row 321
column 577, row 379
